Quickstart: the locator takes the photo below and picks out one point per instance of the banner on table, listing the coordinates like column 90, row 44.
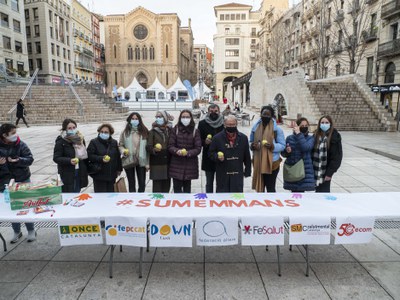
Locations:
column 168, row 232
column 257, row 231
column 217, row 231
column 354, row 230
column 86, row 231
column 310, row 230
column 126, row 231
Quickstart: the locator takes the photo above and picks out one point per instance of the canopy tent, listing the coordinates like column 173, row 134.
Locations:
column 134, row 91
column 178, row 91
column 205, row 93
column 156, row 91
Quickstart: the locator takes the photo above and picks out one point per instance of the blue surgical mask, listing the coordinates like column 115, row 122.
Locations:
column 324, row 127
column 185, row 121
column 72, row 132
column 12, row 138
column 160, row 121
column 135, row 123
column 104, row 136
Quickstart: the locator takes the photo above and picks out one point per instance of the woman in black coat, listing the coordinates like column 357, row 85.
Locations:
column 327, row 154
column 104, row 151
column 21, row 113
column 71, row 158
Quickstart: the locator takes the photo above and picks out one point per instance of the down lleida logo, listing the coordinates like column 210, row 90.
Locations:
column 166, row 231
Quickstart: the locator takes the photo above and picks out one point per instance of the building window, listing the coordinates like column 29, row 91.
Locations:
column 64, row 53
column 166, row 78
column 27, row 14
column 231, row 41
column 53, row 64
column 253, row 32
column 38, row 48
column 4, row 20
column 231, row 65
column 52, row 48
column 28, row 31
column 137, row 53
column 140, row 32
column 29, row 46
column 17, row 26
column 39, row 63
column 65, row 67
column 144, row 53
column 389, row 72
column 51, row 32
column 37, row 30
column 58, row 66
column 232, row 52
column 9, row 64
column 18, row 47
column 370, row 66
column 30, row 63
column 58, row 50
column 130, row 53
column 227, row 30
column 15, row 5
column 253, row 41
column 232, row 17
column 115, row 78
column 115, row 52
column 243, row 17
column 166, row 51
column 394, row 31
column 6, row 42
column 227, row 17
column 3, row 2
column 238, row 17
column 69, row 55
column 50, row 16
column 221, row 17
column 35, row 13
column 152, row 56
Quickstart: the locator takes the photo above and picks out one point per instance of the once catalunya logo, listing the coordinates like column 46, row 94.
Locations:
column 77, row 231
column 123, row 230
column 348, row 229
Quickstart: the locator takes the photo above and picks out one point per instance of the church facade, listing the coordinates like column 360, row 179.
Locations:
column 147, row 46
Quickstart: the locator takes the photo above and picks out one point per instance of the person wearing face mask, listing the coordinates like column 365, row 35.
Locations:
column 327, row 154
column 104, row 150
column 15, row 159
column 212, row 124
column 299, row 145
column 267, row 141
column 70, row 155
column 184, row 146
column 132, row 146
column 230, row 152
column 157, row 148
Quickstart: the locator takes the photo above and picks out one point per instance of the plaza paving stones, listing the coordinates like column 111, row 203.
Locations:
column 44, row 270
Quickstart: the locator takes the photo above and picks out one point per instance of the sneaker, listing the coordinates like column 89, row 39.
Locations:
column 31, row 236
column 16, row 237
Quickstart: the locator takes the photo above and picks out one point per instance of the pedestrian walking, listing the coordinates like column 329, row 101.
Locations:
column 132, row 146
column 327, row 154
column 267, row 142
column 15, row 159
column 157, row 148
column 212, row 124
column 184, row 147
column 229, row 150
column 21, row 112
column 227, row 111
column 299, row 146
column 71, row 156
column 103, row 151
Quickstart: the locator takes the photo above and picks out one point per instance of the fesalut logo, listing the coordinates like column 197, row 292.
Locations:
column 262, row 230
column 348, row 229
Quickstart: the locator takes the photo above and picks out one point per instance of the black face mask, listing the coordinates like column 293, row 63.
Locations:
column 231, row 129
column 266, row 120
column 214, row 116
column 304, row 130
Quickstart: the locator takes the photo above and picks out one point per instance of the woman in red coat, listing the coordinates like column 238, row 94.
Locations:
column 184, row 147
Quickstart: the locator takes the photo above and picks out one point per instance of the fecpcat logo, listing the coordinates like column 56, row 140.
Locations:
column 80, row 231
column 166, row 230
column 121, row 230
column 262, row 230
column 348, row 229
column 308, row 228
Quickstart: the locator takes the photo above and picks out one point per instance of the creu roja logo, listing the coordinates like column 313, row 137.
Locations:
column 113, row 230
column 214, row 228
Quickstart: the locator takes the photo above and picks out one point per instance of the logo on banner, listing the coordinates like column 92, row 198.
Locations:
column 216, row 232
column 214, row 229
column 127, row 231
column 348, row 229
column 166, row 231
column 310, row 229
column 262, row 230
column 80, row 231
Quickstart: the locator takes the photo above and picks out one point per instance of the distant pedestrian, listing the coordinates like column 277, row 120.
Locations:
column 184, row 147
column 21, row 112
column 227, row 111
column 15, row 159
column 212, row 124
column 157, row 147
column 229, row 150
column 132, row 146
column 104, row 151
column 299, row 145
column 327, row 154
column 267, row 141
column 71, row 156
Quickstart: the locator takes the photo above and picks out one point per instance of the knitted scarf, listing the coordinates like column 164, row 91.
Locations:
column 320, row 160
column 214, row 124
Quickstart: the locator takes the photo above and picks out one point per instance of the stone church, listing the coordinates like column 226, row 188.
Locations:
column 146, row 45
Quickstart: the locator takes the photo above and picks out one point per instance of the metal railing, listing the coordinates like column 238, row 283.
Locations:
column 28, row 89
column 73, row 91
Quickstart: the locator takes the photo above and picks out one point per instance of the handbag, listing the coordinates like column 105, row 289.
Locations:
column 130, row 161
column 295, row 172
column 119, row 185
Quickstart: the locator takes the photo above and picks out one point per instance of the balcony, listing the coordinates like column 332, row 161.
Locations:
column 390, row 9
column 339, row 16
column 77, row 48
column 81, row 35
column 314, row 31
column 76, row 32
column 88, row 52
column 86, row 38
column 81, row 65
column 391, row 48
column 370, row 36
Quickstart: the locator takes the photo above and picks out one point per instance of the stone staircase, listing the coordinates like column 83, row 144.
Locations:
column 52, row 104
column 349, row 105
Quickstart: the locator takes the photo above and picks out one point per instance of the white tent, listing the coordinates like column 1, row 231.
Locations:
column 156, row 91
column 206, row 90
column 178, row 91
column 134, row 91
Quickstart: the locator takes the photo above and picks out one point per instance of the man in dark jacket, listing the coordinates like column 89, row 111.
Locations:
column 212, row 124
column 15, row 159
column 21, row 112
column 230, row 152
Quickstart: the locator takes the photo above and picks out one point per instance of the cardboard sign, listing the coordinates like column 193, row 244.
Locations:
column 168, row 232
column 309, row 230
column 126, row 231
column 354, row 230
column 217, row 231
column 85, row 231
column 258, row 231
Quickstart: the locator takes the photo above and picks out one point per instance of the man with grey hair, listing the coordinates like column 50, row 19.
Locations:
column 229, row 150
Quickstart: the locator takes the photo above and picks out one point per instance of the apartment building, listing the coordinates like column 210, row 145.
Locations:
column 98, row 66
column 205, row 68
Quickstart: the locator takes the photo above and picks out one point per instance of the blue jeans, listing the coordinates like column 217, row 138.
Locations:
column 17, row 226
column 210, row 181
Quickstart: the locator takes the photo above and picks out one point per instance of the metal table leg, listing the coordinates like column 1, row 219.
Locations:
column 4, row 242
column 307, row 260
column 120, row 248
column 278, row 251
column 141, row 263
column 266, row 248
column 111, row 261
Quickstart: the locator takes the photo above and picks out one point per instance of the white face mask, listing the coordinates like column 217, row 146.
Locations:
column 185, row 121
column 12, row 138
